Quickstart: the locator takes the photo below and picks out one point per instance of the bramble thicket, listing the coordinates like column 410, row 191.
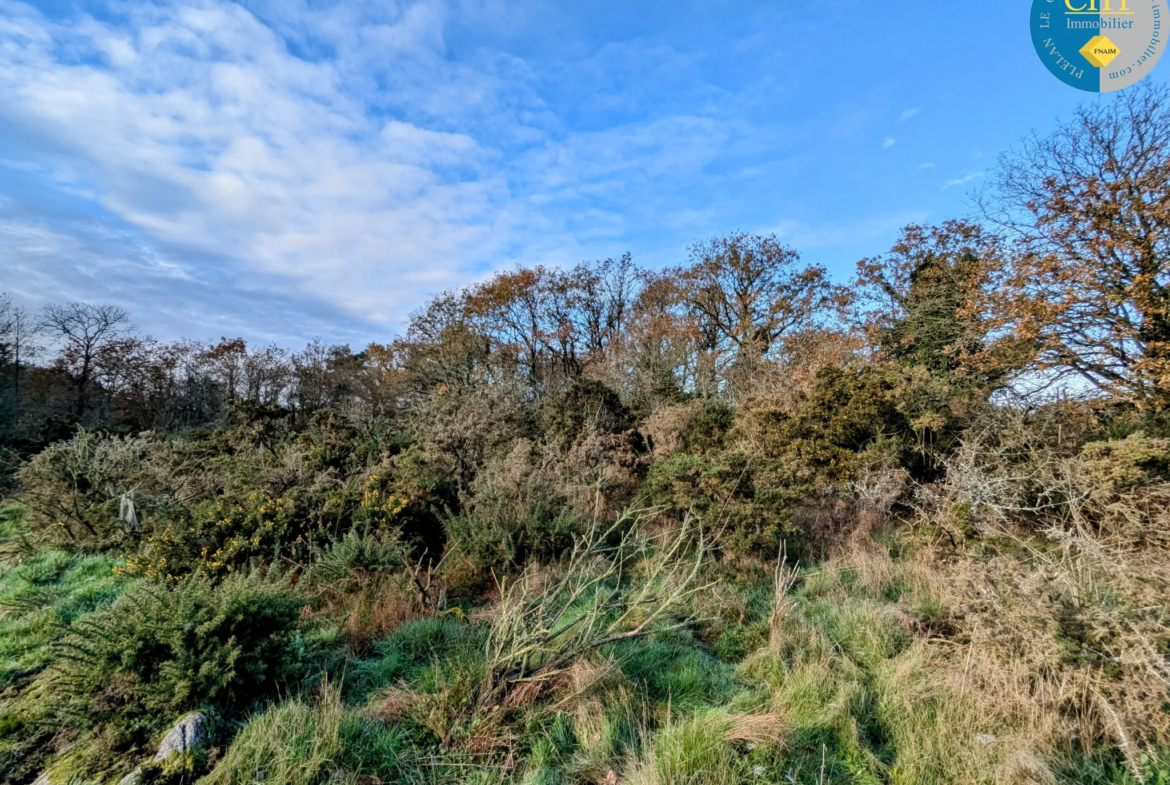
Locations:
column 732, row 522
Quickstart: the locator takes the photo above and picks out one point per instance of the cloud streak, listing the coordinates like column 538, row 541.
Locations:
column 967, row 178
column 365, row 177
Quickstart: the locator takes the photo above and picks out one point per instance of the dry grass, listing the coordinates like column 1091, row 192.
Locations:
column 548, row 620
column 758, row 729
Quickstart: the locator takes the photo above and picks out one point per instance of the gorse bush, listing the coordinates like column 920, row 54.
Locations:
column 584, row 405
column 731, row 493
column 222, row 535
column 125, row 673
column 1124, row 488
column 513, row 515
column 355, row 558
column 91, row 491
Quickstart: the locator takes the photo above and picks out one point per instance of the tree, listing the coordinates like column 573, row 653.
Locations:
column 659, row 343
column 510, row 308
column 746, row 291
column 928, row 303
column 443, row 346
column 224, row 362
column 18, row 344
column 1090, row 206
column 607, row 290
column 88, row 335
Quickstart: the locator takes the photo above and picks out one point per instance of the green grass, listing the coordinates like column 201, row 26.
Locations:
column 411, row 654
column 40, row 597
column 292, row 743
column 672, row 669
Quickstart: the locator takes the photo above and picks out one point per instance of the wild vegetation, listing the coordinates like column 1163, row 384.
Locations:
column 725, row 523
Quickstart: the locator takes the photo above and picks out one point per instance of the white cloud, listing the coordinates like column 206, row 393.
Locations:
column 199, row 127
column 888, row 142
column 345, row 160
column 907, row 114
column 926, row 166
column 967, row 178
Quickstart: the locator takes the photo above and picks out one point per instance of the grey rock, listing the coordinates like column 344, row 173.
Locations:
column 43, row 779
column 188, row 733
column 133, row 778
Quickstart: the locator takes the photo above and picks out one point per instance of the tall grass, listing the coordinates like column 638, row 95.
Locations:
column 296, row 742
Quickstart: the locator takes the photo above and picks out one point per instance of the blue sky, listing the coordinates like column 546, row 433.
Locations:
column 284, row 170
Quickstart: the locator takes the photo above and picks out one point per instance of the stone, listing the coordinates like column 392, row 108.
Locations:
column 133, row 778
column 188, row 733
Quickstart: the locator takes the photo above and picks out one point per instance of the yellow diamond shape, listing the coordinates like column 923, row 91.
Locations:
column 1100, row 51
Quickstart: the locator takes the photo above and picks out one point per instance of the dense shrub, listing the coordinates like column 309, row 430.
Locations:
column 90, row 491
column 225, row 534
column 498, row 530
column 356, row 558
column 408, row 492
column 125, row 673
column 584, row 405
column 709, row 427
column 1124, row 487
column 1121, row 465
column 723, row 489
column 846, row 411
column 784, row 459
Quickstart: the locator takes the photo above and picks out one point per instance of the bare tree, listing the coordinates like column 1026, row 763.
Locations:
column 607, row 290
column 18, row 344
column 88, row 336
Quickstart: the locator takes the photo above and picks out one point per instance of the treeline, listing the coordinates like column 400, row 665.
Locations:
column 742, row 381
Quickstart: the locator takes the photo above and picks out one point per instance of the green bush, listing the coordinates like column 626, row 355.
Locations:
column 350, row 562
column 585, row 405
column 709, row 427
column 846, row 411
column 230, row 533
column 1124, row 487
column 725, row 489
column 128, row 671
column 1121, row 465
column 498, row 530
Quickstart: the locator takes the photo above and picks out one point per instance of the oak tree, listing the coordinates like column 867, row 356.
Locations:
column 1090, row 206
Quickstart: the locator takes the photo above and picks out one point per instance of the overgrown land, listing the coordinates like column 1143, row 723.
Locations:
column 725, row 523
